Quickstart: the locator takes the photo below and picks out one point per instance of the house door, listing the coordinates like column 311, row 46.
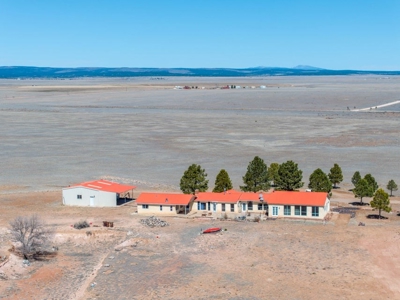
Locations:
column 275, row 211
column 214, row 207
column 91, row 200
column 244, row 207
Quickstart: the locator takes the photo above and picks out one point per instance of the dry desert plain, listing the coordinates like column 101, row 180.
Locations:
column 141, row 131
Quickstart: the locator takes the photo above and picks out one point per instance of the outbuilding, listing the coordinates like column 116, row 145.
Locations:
column 99, row 193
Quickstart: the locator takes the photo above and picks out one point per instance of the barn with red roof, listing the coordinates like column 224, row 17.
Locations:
column 100, row 193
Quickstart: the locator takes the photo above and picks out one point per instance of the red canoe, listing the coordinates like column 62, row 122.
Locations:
column 212, row 230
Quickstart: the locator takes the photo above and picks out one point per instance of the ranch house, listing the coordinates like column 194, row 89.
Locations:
column 164, row 203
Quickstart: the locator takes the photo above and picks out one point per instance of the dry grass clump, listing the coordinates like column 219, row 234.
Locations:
column 81, row 224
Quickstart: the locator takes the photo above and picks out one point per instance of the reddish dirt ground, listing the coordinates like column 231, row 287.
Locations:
column 279, row 259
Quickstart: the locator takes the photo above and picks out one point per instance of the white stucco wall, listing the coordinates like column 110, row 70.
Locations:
column 323, row 211
column 101, row 198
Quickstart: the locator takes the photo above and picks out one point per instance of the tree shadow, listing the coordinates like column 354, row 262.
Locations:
column 359, row 203
column 336, row 188
column 376, row 217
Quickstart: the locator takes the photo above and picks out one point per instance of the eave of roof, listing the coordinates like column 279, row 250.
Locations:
column 104, row 185
column 164, row 199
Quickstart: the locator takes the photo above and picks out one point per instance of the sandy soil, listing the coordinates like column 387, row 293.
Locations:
column 279, row 259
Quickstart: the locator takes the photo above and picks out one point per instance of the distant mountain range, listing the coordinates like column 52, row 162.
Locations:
column 44, row 72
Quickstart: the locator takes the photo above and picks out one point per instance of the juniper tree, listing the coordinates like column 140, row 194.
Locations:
column 391, row 186
column 381, row 201
column 194, row 178
column 222, row 182
column 319, row 182
column 289, row 177
column 256, row 177
column 335, row 175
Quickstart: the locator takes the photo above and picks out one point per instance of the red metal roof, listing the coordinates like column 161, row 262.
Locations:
column 230, row 196
column 105, row 185
column 164, row 198
column 296, row 198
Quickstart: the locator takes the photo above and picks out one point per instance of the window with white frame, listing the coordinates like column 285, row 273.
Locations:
column 160, row 207
column 145, row 206
column 297, row 210
column 78, row 196
column 304, row 210
column 171, row 208
column 232, row 207
column 286, row 210
column 250, row 206
column 315, row 211
column 260, row 206
column 223, row 206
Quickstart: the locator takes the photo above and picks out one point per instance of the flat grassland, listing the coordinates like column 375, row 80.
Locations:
column 141, row 131
column 57, row 132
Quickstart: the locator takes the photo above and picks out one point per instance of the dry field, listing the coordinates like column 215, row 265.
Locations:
column 279, row 259
column 141, row 131
column 57, row 132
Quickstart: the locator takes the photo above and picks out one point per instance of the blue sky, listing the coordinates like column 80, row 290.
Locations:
column 332, row 34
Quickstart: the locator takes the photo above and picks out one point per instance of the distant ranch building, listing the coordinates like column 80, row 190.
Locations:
column 98, row 193
column 164, row 203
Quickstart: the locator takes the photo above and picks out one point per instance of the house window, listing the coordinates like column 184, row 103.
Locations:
column 232, row 207
column 304, row 210
column 250, row 206
column 160, row 207
column 223, row 206
column 265, row 206
column 78, row 196
column 297, row 210
column 315, row 211
column 171, row 208
column 145, row 206
column 260, row 206
column 286, row 210
column 209, row 206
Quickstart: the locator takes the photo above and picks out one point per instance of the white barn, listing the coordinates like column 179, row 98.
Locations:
column 99, row 193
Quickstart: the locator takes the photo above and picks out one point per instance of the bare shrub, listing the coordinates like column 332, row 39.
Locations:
column 225, row 216
column 30, row 235
column 257, row 219
column 81, row 224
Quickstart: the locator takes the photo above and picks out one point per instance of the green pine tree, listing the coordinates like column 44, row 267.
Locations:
column 372, row 183
column 391, row 186
column 222, row 182
column 256, row 177
column 273, row 172
column 289, row 177
column 319, row 182
column 335, row 175
column 194, row 178
column 381, row 201
column 356, row 178
column 362, row 190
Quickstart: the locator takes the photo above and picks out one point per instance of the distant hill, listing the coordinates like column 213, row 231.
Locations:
column 44, row 72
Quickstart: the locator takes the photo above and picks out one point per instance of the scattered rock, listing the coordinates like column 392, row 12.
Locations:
column 153, row 222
